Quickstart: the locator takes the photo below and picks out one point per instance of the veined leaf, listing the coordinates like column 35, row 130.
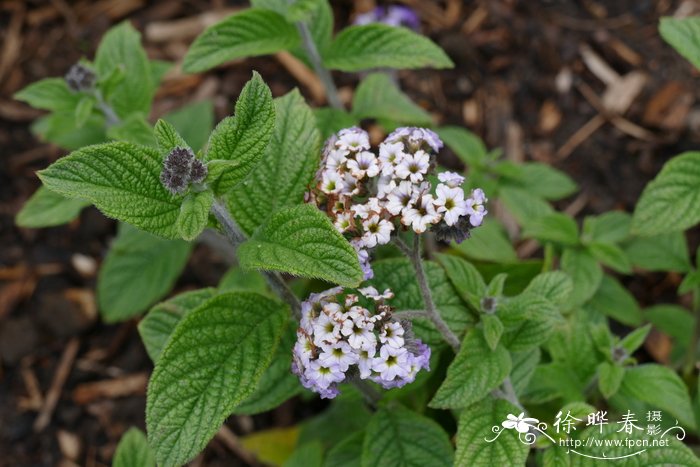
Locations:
column 289, row 164
column 609, row 227
column 122, row 180
column 49, row 94
column 464, row 277
column 584, row 271
column 465, row 144
column 612, row 256
column 377, row 96
column 556, row 286
column 133, row 450
column 489, row 242
column 133, row 129
column 46, row 208
column 167, row 137
column 614, row 300
column 555, row 227
column 684, row 35
column 664, row 252
column 545, row 181
column 249, row 33
column 302, row 241
column 610, row 377
column 212, row 362
column 377, row 45
column 194, row 214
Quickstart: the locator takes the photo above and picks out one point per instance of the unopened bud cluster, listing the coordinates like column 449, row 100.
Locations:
column 339, row 339
column 80, row 78
column 180, row 169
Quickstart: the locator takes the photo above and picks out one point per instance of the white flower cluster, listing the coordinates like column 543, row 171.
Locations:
column 339, row 339
column 368, row 196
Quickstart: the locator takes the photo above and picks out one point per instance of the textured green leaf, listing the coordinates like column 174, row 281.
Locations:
column 493, row 330
column 242, row 139
column 239, row 279
column 194, row 214
column 556, row 286
column 377, row 96
column 160, row 322
column 138, row 271
column 545, row 181
column 584, row 271
column 475, row 371
column 133, row 451
column 530, row 320
column 278, row 383
column 133, row 129
column 660, row 387
column 672, row 200
column 84, row 110
column 249, row 33
column 614, row 300
column 635, row 339
column 525, row 206
column 524, row 364
column 475, row 428
column 398, row 437
column 465, row 144
column 49, row 94
column 212, row 362
column 673, row 320
column 302, row 241
column 465, row 278
column 122, row 180
column 612, row 256
column 194, row 122
column 489, row 243
column 46, row 208
column 61, row 129
column 121, row 49
column 609, row 227
column 663, row 252
column 555, row 227
column 167, row 137
column 684, row 35
column 376, row 45
column 398, row 275
column 289, row 164
column 609, row 378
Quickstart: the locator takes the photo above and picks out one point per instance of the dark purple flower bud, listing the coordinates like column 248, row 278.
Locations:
column 179, row 161
column 458, row 232
column 80, row 78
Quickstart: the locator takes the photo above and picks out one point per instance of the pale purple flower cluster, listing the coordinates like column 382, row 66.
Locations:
column 339, row 339
column 368, row 197
column 393, row 15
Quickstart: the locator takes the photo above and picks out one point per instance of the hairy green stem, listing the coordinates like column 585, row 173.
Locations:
column 414, row 255
column 235, row 236
column 510, row 395
column 315, row 58
column 111, row 117
column 691, row 359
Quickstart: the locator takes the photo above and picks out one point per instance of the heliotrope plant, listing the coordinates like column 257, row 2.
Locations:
column 304, row 200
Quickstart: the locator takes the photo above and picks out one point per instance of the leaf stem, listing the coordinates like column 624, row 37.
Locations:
column 315, row 58
column 414, row 255
column 508, row 393
column 236, row 236
column 111, row 116
column 691, row 359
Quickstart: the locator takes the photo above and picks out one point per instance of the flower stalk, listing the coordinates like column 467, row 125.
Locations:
column 315, row 58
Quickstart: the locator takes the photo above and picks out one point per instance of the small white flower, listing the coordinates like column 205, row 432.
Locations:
column 377, row 231
column 361, row 336
column 340, row 354
column 450, row 202
column 421, row 215
column 336, row 158
column 364, row 163
column 451, row 179
column 371, row 292
column 385, row 185
column 392, row 334
column 414, row 166
column 323, row 375
column 351, row 187
column 332, row 183
column 392, row 362
column 353, row 139
column 303, row 348
column 326, row 330
column 365, row 210
column 390, row 155
column 365, row 361
column 401, row 197
column 343, row 222
column 475, row 207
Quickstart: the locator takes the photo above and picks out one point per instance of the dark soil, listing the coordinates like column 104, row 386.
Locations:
column 520, row 82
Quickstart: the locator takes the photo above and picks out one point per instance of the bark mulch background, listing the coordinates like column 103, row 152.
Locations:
column 587, row 86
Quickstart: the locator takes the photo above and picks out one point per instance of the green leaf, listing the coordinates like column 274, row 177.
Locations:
column 61, row 129
column 530, row 320
column 610, row 378
column 610, row 227
column 347, row 453
column 376, row 45
column 555, row 227
column 525, row 206
column 489, row 242
column 122, row 180
column 307, row 455
column 194, row 214
column 329, row 120
column 167, row 137
column 495, row 287
column 474, row 431
column 138, row 271
column 584, row 271
column 545, row 181
column 524, row 365
column 612, row 256
column 278, row 383
column 242, row 139
column 398, row 275
column 475, row 371
column 121, row 48
column 50, row 94
column 46, row 208
column 133, row 129
column 83, row 111
column 673, row 320
column 660, row 387
column 160, row 322
column 493, row 330
column 398, row 437
column 465, row 144
column 346, row 415
column 614, row 300
column 133, row 451
column 212, row 362
column 194, row 122
column 239, row 279
column 635, row 339
column 378, row 97
column 573, row 344
column 555, row 286
column 464, row 277
column 689, row 282
column 684, row 35
column 288, row 166
column 671, row 201
column 302, row 241
column 249, row 33
column 663, row 252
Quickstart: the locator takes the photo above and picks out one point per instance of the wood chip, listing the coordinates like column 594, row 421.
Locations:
column 581, row 135
column 669, row 107
column 185, row 29
column 619, row 95
column 549, row 118
column 69, row 444
column 128, row 385
column 60, row 376
column 598, row 66
column 12, row 41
